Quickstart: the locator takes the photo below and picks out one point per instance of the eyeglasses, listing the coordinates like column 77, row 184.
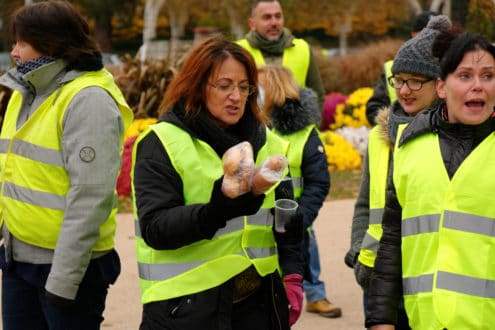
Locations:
column 228, row 87
column 412, row 84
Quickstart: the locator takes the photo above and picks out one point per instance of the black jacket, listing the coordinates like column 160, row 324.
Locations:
column 388, row 120
column 379, row 100
column 293, row 116
column 456, row 143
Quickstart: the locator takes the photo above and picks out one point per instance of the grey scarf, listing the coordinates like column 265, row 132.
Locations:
column 274, row 47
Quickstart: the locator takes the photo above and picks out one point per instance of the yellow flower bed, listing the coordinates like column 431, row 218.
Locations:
column 353, row 111
column 340, row 153
column 137, row 126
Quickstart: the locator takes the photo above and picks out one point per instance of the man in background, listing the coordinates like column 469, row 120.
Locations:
column 271, row 43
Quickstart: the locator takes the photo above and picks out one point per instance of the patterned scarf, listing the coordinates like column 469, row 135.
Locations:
column 31, row 65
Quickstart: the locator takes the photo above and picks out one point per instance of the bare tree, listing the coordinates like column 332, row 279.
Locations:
column 441, row 6
column 238, row 13
column 178, row 13
column 151, row 11
column 416, row 6
column 102, row 11
column 345, row 24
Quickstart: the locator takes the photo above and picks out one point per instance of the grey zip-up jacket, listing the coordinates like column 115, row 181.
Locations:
column 93, row 120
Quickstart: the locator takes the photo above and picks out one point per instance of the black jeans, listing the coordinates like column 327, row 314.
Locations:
column 213, row 309
column 24, row 305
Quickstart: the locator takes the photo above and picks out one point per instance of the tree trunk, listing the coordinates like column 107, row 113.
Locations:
column 236, row 23
column 176, row 32
column 344, row 30
column 103, row 32
column 151, row 11
column 441, row 6
column 346, row 27
column 177, row 16
column 416, row 6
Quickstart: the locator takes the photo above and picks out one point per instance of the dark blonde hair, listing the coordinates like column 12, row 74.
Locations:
column 279, row 85
column 189, row 85
column 54, row 28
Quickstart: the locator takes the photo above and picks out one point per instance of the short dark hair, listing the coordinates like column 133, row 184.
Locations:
column 54, row 28
column 451, row 47
column 255, row 3
column 421, row 20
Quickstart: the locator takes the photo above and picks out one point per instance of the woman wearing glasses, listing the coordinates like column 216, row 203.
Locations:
column 436, row 252
column 207, row 261
column 414, row 73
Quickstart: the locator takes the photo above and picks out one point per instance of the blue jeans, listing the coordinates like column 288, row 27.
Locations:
column 24, row 305
column 313, row 287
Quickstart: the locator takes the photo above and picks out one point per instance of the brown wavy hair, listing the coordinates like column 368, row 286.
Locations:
column 189, row 85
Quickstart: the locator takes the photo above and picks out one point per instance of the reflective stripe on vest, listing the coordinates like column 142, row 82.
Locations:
column 297, row 142
column 33, row 177
column 448, row 235
column 387, row 68
column 296, row 58
column 378, row 158
column 159, row 272
column 452, row 282
column 244, row 241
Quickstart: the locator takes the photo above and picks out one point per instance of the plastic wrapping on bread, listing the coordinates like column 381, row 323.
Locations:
column 238, row 167
column 268, row 173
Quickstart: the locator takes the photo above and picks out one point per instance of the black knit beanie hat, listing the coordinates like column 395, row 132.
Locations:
column 415, row 55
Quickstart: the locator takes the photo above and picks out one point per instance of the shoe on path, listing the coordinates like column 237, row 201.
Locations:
column 324, row 307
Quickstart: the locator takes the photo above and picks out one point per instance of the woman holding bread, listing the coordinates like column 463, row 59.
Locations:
column 207, row 255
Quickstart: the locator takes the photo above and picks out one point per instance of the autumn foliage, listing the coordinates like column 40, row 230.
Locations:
column 360, row 68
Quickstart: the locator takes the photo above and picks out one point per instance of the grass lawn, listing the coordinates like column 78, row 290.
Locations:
column 344, row 184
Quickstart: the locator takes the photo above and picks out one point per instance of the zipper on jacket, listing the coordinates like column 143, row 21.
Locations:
column 182, row 302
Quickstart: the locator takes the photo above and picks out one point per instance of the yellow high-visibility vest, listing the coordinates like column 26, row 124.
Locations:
column 297, row 141
column 387, row 67
column 295, row 58
column 448, row 235
column 378, row 158
column 34, row 181
column 245, row 241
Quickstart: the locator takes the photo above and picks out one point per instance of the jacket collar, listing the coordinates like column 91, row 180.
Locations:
column 42, row 80
column 220, row 139
column 294, row 115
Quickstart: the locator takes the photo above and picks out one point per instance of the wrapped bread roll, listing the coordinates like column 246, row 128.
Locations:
column 268, row 173
column 238, row 167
